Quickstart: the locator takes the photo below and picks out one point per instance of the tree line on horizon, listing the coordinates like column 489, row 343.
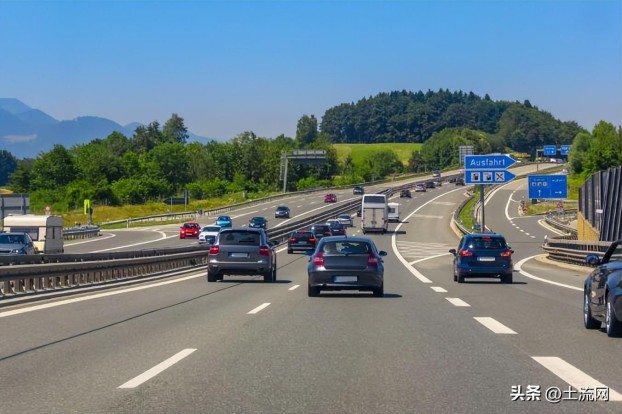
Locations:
column 157, row 162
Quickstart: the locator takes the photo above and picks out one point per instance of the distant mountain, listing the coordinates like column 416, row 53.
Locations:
column 25, row 132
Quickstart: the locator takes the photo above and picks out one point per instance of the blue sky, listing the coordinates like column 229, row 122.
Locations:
column 232, row 66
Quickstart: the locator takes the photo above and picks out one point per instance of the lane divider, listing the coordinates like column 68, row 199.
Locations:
column 494, row 325
column 147, row 375
column 259, row 308
column 458, row 302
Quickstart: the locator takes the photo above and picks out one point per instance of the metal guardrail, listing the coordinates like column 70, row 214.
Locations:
column 82, row 232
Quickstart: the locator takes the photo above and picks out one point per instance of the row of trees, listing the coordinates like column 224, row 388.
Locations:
column 158, row 162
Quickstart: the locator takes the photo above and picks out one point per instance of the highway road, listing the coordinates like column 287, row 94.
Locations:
column 180, row 345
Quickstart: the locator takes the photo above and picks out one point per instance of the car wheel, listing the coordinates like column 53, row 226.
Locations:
column 506, row 278
column 460, row 278
column 212, row 277
column 588, row 321
column 313, row 291
column 290, row 251
column 455, row 277
column 379, row 292
column 614, row 326
column 270, row 277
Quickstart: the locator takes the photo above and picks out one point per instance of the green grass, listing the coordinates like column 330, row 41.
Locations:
column 361, row 152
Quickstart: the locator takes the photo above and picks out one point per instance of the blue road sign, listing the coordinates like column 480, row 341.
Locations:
column 487, row 162
column 487, row 176
column 548, row 186
column 564, row 149
column 550, row 150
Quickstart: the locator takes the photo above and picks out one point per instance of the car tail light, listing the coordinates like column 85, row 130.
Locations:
column 264, row 251
column 372, row 261
column 506, row 253
column 214, row 249
column 292, row 240
column 465, row 253
column 312, row 240
column 318, row 259
column 327, row 233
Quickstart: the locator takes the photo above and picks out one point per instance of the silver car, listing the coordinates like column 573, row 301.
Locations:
column 242, row 251
column 346, row 263
column 345, row 219
column 16, row 243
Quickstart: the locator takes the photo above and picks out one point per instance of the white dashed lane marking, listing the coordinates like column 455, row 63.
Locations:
column 259, row 308
column 574, row 376
column 457, row 302
column 494, row 325
column 294, row 287
column 438, row 289
column 147, row 375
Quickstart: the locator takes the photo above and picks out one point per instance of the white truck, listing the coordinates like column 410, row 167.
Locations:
column 45, row 231
column 374, row 213
column 394, row 212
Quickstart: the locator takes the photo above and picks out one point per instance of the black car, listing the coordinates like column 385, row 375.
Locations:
column 483, row 255
column 358, row 190
column 336, row 228
column 429, row 184
column 321, row 230
column 301, row 240
column 405, row 193
column 459, row 181
column 281, row 212
column 258, row 223
column 602, row 291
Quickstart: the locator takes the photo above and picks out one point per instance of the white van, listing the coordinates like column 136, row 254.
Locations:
column 374, row 213
column 45, row 231
column 394, row 212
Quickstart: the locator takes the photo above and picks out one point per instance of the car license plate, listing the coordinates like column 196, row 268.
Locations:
column 238, row 254
column 486, row 259
column 345, row 279
column 302, row 242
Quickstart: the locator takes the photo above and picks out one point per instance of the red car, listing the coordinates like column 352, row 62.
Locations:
column 330, row 198
column 190, row 230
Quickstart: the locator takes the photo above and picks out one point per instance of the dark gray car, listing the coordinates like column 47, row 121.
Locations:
column 241, row 251
column 346, row 263
column 16, row 243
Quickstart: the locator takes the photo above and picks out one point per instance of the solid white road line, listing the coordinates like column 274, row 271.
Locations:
column 294, row 287
column 96, row 296
column 494, row 325
column 147, row 375
column 457, row 302
column 259, row 308
column 164, row 236
column 438, row 289
column 574, row 376
column 518, row 266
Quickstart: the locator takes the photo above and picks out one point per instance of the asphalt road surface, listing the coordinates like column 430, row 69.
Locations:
column 430, row 345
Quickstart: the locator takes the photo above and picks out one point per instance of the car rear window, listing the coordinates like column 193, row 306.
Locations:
column 346, row 247
column 236, row 238
column 303, row 234
column 492, row 243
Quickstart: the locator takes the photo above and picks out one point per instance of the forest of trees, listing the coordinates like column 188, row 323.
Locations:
column 157, row 161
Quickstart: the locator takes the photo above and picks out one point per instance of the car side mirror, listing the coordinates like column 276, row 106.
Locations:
column 273, row 243
column 592, row 260
column 382, row 253
column 452, row 251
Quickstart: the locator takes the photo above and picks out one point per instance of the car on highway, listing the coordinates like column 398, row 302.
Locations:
column 258, row 222
column 483, row 255
column 242, row 251
column 602, row 291
column 459, row 181
column 224, row 221
column 429, row 184
column 420, row 188
column 405, row 193
column 16, row 243
column 330, row 198
column 190, row 230
column 358, row 190
column 346, row 263
column 320, row 230
column 281, row 212
column 301, row 240
column 208, row 234
column 345, row 219
column 336, row 228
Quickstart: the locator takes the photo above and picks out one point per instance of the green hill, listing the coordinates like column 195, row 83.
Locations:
column 360, row 152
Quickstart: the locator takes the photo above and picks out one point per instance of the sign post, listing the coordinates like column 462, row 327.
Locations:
column 487, row 169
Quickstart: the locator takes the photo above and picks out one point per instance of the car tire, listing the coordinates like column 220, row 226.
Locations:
column 507, row 279
column 588, row 321
column 212, row 277
column 455, row 277
column 270, row 277
column 313, row 291
column 379, row 292
column 290, row 251
column 460, row 278
column 612, row 325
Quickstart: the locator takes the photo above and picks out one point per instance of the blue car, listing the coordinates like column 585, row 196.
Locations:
column 483, row 255
column 224, row 221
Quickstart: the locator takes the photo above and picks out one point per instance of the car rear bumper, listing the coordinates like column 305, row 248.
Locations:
column 233, row 268
column 327, row 280
column 484, row 271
